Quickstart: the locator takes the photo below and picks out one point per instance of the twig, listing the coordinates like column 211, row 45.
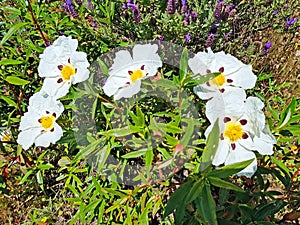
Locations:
column 37, row 25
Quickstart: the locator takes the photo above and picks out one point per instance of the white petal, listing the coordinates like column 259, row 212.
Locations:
column 55, row 89
column 49, row 137
column 254, row 115
column 29, row 120
column 79, row 61
column 222, row 153
column 234, row 100
column 26, row 138
column 205, row 92
column 243, row 77
column 201, row 62
column 122, row 60
column 128, row 91
column 113, row 83
column 239, row 155
column 264, row 143
column 67, row 42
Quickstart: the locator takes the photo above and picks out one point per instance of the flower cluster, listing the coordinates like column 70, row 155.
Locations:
column 241, row 119
column 62, row 66
column 135, row 10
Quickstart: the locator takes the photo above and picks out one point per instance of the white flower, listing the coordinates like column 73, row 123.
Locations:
column 234, row 73
column 240, row 136
column 5, row 136
column 128, row 71
column 38, row 124
column 62, row 66
column 225, row 91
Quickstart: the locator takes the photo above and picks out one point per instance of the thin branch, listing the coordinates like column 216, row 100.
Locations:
column 37, row 25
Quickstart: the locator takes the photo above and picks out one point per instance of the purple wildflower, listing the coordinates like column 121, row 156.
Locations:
column 69, row 8
column 218, row 10
column 90, row 5
column 184, row 6
column 214, row 28
column 171, row 7
column 93, row 22
column 161, row 38
column 275, row 12
column 137, row 15
column 210, row 40
column 268, row 45
column 187, row 38
column 194, row 16
column 289, row 22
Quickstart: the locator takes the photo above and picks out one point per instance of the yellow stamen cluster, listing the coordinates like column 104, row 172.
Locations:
column 218, row 80
column 137, row 74
column 233, row 131
column 47, row 122
column 67, row 71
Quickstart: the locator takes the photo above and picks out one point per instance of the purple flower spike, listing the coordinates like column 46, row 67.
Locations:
column 218, row 10
column 194, row 16
column 69, row 8
column 171, row 7
column 210, row 40
column 90, row 5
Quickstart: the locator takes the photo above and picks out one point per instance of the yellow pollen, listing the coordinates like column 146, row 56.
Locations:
column 6, row 137
column 67, row 71
column 47, row 121
column 137, row 74
column 218, row 80
column 233, row 131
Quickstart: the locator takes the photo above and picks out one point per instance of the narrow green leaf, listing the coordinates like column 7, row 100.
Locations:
column 10, row 62
column 269, row 209
column 9, row 101
column 16, row 80
column 135, row 154
column 217, row 182
column 195, row 191
column 280, row 164
column 183, row 66
column 229, row 170
column 177, row 198
column 211, row 146
column 11, row 31
column 201, row 79
column 208, row 206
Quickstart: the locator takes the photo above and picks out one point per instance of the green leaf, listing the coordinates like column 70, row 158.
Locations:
column 195, row 191
column 217, row 182
column 10, row 62
column 11, row 31
column 135, row 154
column 177, row 198
column 201, row 79
column 16, row 80
column 39, row 179
column 269, row 209
column 229, row 170
column 183, row 66
column 211, row 146
column 9, row 101
column 207, row 206
column 280, row 164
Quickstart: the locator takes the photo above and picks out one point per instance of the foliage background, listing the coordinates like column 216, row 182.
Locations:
column 47, row 186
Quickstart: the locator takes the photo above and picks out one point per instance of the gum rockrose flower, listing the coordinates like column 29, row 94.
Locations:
column 62, row 66
column 228, row 87
column 38, row 125
column 128, row 71
column 240, row 136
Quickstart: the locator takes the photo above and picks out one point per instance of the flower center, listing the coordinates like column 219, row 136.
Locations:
column 67, row 71
column 233, row 131
column 47, row 121
column 6, row 137
column 135, row 75
column 218, row 80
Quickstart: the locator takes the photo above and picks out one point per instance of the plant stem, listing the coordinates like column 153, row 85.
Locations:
column 37, row 25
